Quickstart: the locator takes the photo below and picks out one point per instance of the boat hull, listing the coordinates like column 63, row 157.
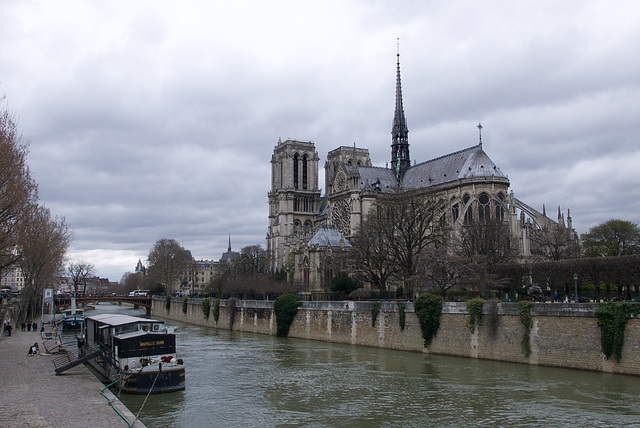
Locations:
column 73, row 323
column 156, row 381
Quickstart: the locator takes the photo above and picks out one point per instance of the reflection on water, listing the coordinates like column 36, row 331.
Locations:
column 241, row 379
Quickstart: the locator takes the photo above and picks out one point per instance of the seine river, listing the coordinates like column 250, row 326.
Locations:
column 247, row 380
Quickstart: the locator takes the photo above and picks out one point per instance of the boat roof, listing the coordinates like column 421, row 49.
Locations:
column 134, row 334
column 118, row 319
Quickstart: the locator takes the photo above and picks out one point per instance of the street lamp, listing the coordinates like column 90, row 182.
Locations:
column 575, row 282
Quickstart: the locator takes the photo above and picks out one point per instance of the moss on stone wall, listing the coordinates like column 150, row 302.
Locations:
column 402, row 316
column 474, row 306
column 527, row 321
column 375, row 310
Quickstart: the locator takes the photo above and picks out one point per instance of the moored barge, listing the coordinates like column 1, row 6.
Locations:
column 137, row 353
column 73, row 320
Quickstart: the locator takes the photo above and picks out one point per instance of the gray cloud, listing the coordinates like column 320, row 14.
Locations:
column 159, row 120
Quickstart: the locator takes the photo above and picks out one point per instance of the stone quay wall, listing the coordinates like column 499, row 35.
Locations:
column 562, row 335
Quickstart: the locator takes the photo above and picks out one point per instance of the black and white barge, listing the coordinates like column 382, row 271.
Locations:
column 137, row 353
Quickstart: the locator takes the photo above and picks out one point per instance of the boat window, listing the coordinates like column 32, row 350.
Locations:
column 129, row 328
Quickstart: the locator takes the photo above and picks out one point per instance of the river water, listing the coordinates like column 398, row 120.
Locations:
column 240, row 379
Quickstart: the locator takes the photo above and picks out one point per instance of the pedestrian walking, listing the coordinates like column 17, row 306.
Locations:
column 28, row 325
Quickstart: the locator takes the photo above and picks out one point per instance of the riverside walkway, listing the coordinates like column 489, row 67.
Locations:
column 31, row 395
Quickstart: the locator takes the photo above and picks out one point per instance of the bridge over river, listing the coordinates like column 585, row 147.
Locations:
column 136, row 301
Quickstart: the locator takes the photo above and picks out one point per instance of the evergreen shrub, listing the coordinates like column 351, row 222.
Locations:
column 206, row 307
column 285, row 308
column 428, row 309
column 612, row 320
column 216, row 309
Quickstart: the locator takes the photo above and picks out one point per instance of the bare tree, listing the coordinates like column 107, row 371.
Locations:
column 513, row 276
column 29, row 236
column 79, row 274
column 415, row 225
column 168, row 262
column 18, row 192
column 555, row 243
column 401, row 227
column 441, row 271
column 132, row 281
column 42, row 244
column 253, row 259
column 136, row 281
column 490, row 238
column 370, row 255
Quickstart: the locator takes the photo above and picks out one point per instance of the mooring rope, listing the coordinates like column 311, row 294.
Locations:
column 145, row 398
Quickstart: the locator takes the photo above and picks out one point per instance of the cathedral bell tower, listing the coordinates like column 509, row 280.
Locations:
column 400, row 159
column 294, row 199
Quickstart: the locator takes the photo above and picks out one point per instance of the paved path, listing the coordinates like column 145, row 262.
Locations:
column 31, row 395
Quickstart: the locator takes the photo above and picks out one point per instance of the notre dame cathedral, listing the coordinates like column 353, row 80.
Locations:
column 308, row 230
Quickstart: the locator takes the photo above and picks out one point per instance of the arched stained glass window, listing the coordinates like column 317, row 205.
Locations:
column 484, row 207
column 500, row 208
column 295, row 171
column 304, row 172
column 468, row 214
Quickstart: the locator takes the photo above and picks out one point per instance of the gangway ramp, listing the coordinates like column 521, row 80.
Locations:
column 69, row 361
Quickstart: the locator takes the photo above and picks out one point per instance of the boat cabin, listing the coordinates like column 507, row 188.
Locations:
column 130, row 337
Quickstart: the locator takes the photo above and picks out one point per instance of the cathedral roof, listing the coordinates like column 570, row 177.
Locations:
column 382, row 179
column 324, row 207
column 468, row 163
column 472, row 162
column 229, row 256
column 328, row 236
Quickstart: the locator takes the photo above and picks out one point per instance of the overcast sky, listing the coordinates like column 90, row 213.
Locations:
column 157, row 119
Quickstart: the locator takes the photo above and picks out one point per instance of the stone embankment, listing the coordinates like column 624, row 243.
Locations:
column 31, row 395
column 562, row 335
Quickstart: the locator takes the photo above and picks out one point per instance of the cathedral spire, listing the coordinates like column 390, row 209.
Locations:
column 229, row 242
column 400, row 159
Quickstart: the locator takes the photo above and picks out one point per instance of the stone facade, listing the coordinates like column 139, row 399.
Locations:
column 470, row 185
column 563, row 335
column 11, row 277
